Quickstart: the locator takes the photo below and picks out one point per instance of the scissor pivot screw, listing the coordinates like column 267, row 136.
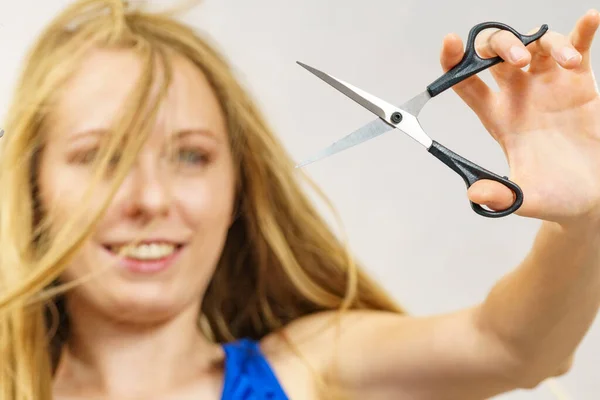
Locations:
column 396, row 117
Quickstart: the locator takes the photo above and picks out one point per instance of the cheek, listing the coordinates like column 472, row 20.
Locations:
column 63, row 194
column 60, row 190
column 206, row 204
column 208, row 200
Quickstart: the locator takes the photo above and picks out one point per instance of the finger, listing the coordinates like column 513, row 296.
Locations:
column 552, row 50
column 491, row 194
column 473, row 91
column 584, row 31
column 583, row 34
column 496, row 42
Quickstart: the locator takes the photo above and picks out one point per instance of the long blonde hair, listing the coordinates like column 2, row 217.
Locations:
column 281, row 260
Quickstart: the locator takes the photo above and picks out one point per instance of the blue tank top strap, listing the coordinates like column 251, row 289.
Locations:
column 248, row 375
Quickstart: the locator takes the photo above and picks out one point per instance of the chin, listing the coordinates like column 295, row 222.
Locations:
column 147, row 302
column 137, row 292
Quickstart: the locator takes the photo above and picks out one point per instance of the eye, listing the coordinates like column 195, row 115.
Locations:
column 85, row 157
column 191, row 156
column 89, row 156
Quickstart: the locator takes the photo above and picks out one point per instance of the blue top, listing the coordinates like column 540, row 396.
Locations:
column 248, row 375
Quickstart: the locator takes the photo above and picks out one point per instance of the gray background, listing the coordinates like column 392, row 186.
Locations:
column 406, row 215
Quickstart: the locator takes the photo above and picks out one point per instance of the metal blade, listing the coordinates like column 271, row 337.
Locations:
column 368, row 131
column 390, row 117
column 363, row 98
column 416, row 104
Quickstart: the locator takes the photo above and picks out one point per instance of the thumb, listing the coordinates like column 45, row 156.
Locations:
column 491, row 194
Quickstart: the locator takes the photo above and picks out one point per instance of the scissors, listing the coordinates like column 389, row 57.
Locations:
column 404, row 118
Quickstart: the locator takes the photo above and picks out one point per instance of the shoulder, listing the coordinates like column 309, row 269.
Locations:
column 303, row 353
column 315, row 334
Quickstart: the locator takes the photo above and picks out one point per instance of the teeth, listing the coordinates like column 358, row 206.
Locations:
column 152, row 251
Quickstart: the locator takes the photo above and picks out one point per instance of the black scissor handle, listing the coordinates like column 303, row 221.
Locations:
column 471, row 173
column 471, row 63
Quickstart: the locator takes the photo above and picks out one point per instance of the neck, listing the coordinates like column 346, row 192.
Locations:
column 125, row 360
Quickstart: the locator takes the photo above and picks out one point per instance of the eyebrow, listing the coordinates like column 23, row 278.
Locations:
column 178, row 134
column 204, row 132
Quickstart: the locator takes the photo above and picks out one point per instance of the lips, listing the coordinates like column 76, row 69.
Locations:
column 146, row 256
column 145, row 247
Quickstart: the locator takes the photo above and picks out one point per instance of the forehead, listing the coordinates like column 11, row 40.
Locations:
column 98, row 91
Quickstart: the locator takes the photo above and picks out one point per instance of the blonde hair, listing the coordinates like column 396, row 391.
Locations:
column 281, row 261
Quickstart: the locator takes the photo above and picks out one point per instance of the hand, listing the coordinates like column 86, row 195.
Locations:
column 546, row 119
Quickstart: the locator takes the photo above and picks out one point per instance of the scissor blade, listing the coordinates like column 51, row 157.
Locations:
column 363, row 98
column 416, row 104
column 368, row 131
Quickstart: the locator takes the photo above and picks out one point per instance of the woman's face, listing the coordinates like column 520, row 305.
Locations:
column 191, row 204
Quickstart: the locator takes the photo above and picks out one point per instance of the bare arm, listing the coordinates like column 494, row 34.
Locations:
column 547, row 120
column 544, row 308
column 524, row 332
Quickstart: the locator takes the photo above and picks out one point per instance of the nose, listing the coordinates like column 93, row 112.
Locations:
column 147, row 193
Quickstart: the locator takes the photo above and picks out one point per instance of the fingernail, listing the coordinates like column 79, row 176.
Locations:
column 517, row 53
column 569, row 54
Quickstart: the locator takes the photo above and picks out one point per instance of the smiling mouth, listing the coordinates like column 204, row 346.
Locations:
column 148, row 257
column 154, row 251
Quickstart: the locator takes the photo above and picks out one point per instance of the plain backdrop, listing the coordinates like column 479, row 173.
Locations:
column 406, row 215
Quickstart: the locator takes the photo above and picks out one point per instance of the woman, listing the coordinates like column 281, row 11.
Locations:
column 155, row 243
